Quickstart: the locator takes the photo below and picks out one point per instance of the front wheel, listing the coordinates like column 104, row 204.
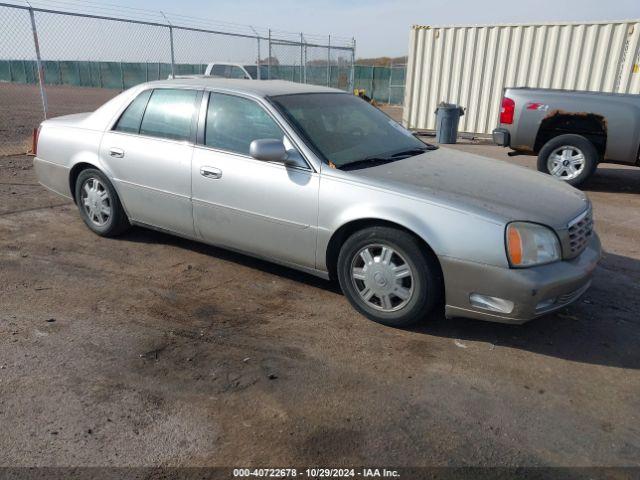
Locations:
column 570, row 158
column 387, row 275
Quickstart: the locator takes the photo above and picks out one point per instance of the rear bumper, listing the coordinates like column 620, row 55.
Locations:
column 53, row 176
column 502, row 137
column 534, row 291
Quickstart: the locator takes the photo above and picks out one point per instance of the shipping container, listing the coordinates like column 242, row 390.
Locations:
column 471, row 66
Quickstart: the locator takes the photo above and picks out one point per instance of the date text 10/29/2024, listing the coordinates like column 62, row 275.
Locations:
column 316, row 473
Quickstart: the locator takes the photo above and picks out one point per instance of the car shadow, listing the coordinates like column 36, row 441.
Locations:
column 143, row 235
column 609, row 179
column 602, row 328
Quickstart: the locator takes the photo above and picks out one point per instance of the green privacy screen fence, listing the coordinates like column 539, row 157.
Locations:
column 383, row 84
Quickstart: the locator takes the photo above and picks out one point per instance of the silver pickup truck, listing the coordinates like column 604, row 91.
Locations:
column 570, row 131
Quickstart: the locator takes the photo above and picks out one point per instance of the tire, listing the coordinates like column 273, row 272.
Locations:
column 380, row 271
column 581, row 153
column 99, row 205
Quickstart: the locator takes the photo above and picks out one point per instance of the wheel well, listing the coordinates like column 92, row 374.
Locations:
column 346, row 230
column 589, row 125
column 73, row 176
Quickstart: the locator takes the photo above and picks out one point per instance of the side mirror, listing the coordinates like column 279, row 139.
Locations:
column 268, row 149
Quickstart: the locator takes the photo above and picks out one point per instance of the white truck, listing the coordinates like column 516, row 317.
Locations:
column 234, row 70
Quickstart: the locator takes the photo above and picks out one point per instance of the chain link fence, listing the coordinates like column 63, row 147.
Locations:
column 384, row 84
column 55, row 62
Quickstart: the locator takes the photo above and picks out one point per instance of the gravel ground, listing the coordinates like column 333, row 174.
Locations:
column 152, row 350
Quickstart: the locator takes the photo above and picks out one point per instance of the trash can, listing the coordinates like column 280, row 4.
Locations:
column 447, row 119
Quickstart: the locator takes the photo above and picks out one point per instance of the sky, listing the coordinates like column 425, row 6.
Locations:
column 381, row 27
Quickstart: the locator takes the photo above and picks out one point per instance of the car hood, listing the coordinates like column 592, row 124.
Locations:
column 470, row 182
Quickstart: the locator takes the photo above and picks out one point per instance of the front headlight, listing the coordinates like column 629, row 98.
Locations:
column 530, row 244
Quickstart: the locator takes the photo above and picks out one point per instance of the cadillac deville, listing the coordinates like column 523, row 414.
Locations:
column 318, row 180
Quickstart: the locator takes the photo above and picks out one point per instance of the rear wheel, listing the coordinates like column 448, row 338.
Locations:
column 387, row 275
column 99, row 205
column 570, row 158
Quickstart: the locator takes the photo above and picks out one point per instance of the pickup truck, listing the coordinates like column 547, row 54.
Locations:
column 229, row 70
column 570, row 131
column 235, row 70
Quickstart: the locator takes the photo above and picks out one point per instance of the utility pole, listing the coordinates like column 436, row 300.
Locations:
column 43, row 93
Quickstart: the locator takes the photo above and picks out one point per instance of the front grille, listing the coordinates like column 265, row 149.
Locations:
column 580, row 229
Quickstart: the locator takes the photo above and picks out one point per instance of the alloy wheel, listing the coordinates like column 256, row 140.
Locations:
column 382, row 277
column 95, row 201
column 566, row 162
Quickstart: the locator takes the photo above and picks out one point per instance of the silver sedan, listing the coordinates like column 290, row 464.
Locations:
column 318, row 180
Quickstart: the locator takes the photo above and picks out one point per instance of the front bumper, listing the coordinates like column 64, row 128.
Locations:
column 534, row 291
column 502, row 137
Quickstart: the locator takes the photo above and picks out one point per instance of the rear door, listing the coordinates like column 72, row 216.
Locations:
column 149, row 153
column 265, row 208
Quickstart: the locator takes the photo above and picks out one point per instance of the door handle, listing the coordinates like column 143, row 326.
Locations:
column 210, row 172
column 116, row 152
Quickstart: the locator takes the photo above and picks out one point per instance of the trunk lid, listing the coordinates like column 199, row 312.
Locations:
column 75, row 119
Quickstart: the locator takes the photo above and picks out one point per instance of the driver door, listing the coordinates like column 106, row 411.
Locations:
column 265, row 208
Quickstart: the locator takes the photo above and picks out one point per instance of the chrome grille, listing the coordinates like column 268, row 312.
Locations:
column 580, row 229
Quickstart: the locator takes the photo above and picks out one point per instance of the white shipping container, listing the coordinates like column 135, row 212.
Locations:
column 471, row 66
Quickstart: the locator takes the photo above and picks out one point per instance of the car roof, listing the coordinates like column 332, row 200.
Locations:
column 261, row 88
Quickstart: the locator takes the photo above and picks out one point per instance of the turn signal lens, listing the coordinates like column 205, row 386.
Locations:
column 530, row 244
column 514, row 245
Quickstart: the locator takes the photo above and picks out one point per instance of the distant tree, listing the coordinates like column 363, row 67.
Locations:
column 382, row 61
column 340, row 61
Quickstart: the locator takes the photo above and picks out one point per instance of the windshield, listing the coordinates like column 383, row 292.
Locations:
column 346, row 130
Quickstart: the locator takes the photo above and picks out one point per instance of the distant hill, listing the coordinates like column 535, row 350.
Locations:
column 382, row 61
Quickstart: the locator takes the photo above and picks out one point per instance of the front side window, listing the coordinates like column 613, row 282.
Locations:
column 252, row 70
column 228, row 71
column 218, row 70
column 236, row 72
column 345, row 130
column 234, row 122
column 130, row 120
column 169, row 114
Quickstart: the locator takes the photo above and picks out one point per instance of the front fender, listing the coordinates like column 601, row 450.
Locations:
column 450, row 232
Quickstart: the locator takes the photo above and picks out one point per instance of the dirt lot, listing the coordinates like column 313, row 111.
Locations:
column 21, row 110
column 151, row 350
column 154, row 350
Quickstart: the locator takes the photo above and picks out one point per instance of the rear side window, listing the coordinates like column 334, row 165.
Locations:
column 169, row 114
column 234, row 122
column 130, row 119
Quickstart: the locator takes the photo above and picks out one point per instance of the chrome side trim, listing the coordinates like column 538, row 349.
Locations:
column 268, row 218
column 145, row 187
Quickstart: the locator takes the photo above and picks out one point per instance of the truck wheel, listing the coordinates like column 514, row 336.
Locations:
column 387, row 276
column 570, row 158
column 99, row 204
